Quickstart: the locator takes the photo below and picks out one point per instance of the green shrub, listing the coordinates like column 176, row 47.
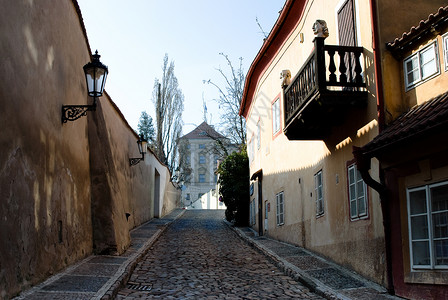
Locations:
column 234, row 187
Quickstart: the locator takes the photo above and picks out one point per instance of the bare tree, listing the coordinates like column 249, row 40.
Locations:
column 169, row 104
column 229, row 101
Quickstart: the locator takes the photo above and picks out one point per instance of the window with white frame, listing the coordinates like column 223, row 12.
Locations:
column 251, row 149
column 428, row 226
column 445, row 50
column 421, row 65
column 357, row 191
column 319, row 193
column 252, row 212
column 202, row 159
column 280, row 208
column 276, row 119
column 201, row 146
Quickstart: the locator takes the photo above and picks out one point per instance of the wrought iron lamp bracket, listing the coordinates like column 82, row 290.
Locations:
column 134, row 161
column 74, row 112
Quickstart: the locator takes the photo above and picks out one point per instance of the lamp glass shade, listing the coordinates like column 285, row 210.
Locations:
column 139, row 144
column 144, row 147
column 96, row 74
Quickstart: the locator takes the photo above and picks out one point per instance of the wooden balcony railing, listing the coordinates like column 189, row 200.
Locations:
column 331, row 74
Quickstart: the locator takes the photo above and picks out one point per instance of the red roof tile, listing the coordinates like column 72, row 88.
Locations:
column 414, row 33
column 420, row 120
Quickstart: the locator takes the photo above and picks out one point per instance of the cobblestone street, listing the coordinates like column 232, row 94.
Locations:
column 199, row 257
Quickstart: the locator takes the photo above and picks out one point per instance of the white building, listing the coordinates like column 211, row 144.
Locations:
column 202, row 152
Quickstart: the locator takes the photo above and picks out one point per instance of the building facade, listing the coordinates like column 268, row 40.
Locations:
column 412, row 150
column 203, row 147
column 302, row 128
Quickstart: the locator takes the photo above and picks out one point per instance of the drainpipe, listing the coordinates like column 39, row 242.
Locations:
column 363, row 165
column 364, row 160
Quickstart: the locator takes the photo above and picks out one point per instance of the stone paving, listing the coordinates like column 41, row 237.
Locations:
column 199, row 257
column 99, row 277
column 320, row 275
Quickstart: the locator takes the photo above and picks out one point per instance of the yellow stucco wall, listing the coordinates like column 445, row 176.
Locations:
column 290, row 166
column 393, row 21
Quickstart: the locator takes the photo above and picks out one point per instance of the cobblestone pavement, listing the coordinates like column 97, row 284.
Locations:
column 199, row 257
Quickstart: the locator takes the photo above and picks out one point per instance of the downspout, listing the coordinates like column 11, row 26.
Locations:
column 363, row 165
column 381, row 124
column 365, row 160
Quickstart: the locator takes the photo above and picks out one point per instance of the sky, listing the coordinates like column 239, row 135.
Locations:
column 132, row 38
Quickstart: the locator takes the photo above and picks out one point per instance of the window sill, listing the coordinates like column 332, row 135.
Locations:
column 359, row 219
column 427, row 277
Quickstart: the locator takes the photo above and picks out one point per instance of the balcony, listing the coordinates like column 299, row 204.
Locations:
column 328, row 87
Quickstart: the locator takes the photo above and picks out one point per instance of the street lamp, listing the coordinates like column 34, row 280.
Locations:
column 142, row 148
column 96, row 74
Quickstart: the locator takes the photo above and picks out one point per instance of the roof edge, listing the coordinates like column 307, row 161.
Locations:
column 290, row 15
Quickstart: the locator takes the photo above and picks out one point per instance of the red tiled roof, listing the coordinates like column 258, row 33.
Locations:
column 203, row 131
column 415, row 32
column 420, row 120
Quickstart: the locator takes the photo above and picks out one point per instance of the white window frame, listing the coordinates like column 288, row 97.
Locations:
column 319, row 193
column 252, row 217
column 357, row 192
column 280, row 200
column 429, row 214
column 445, row 50
column 417, row 56
column 202, row 159
column 276, row 116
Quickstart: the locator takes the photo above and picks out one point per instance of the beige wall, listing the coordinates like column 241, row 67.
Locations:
column 393, row 21
column 44, row 166
column 56, row 178
column 289, row 166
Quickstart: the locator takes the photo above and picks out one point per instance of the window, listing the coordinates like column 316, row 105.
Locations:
column 266, row 210
column 276, row 116
column 201, row 146
column 215, row 179
column 252, row 212
column 318, row 190
column 428, row 226
column 445, row 51
column 280, row 209
column 421, row 65
column 202, row 159
column 346, row 24
column 188, row 159
column 188, row 197
column 251, row 150
column 258, row 135
column 201, row 177
column 357, row 191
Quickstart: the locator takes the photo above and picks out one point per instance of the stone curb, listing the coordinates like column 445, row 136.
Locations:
column 289, row 269
column 111, row 288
